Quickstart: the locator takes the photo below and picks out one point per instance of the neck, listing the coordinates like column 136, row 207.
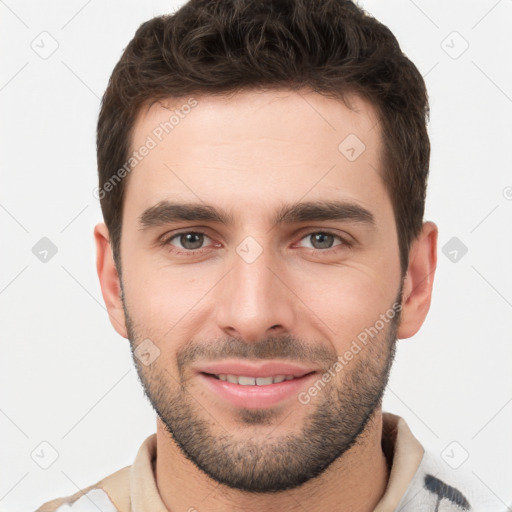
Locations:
column 356, row 481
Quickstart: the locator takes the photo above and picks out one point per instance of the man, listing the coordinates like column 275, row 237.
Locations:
column 262, row 176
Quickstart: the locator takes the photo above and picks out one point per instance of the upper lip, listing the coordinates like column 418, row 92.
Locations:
column 260, row 369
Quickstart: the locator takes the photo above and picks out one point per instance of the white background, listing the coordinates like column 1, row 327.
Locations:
column 68, row 378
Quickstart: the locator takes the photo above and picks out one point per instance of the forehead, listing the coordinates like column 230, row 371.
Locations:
column 253, row 147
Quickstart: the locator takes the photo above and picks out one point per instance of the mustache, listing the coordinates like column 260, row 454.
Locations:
column 283, row 347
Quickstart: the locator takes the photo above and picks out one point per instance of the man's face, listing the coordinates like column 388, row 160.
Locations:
column 267, row 291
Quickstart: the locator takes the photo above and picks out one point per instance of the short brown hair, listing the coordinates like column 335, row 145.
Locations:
column 223, row 46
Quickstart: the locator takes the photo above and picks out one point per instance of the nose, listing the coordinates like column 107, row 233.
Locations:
column 254, row 300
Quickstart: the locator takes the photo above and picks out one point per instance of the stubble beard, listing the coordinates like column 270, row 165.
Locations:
column 333, row 424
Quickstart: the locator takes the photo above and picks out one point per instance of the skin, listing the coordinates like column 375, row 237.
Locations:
column 251, row 153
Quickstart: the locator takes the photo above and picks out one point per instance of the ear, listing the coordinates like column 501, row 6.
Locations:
column 109, row 279
column 417, row 289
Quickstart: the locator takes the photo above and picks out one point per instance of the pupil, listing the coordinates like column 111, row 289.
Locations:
column 187, row 240
column 322, row 237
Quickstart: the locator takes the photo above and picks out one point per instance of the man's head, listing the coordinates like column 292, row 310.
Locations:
column 273, row 228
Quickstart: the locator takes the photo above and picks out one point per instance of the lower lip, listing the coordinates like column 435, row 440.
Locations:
column 255, row 397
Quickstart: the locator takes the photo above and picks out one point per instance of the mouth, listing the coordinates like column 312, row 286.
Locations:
column 244, row 380
column 254, row 386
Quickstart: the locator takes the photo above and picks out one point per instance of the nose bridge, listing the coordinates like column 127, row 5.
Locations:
column 253, row 299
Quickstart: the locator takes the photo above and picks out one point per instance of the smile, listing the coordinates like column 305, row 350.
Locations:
column 251, row 392
column 254, row 381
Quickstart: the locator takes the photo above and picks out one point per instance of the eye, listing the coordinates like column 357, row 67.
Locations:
column 189, row 241
column 322, row 240
column 192, row 242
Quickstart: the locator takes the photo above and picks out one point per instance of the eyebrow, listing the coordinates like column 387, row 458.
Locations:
column 166, row 212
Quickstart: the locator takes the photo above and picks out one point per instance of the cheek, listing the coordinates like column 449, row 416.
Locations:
column 164, row 298
column 347, row 299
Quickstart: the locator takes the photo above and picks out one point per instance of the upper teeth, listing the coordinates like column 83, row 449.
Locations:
column 254, row 381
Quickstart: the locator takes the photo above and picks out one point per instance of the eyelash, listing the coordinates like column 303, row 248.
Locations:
column 195, row 252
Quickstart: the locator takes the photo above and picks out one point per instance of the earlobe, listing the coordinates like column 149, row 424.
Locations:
column 109, row 279
column 418, row 282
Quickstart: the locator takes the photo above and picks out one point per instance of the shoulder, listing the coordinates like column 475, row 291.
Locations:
column 436, row 486
column 110, row 494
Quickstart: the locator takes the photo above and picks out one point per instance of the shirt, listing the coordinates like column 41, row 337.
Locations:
column 418, row 482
